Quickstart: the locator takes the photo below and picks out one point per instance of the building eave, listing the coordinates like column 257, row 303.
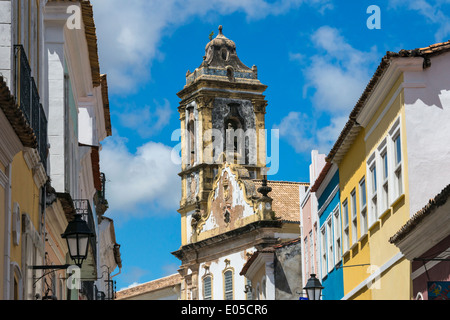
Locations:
column 106, row 109
column 91, row 36
column 383, row 73
column 224, row 237
column 16, row 117
column 428, row 210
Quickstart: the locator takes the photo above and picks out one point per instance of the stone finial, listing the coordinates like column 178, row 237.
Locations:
column 255, row 72
column 220, row 29
column 264, row 189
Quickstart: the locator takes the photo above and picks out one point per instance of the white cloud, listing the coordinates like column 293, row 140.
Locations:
column 338, row 73
column 147, row 178
column 134, row 284
column 304, row 133
column 336, row 76
column 170, row 269
column 133, row 277
column 295, row 128
column 146, row 121
column 327, row 136
column 129, row 34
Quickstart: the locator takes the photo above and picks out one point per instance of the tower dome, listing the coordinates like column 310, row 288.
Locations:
column 221, row 52
column 221, row 40
column 221, row 63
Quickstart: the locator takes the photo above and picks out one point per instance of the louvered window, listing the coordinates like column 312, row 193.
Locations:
column 228, row 285
column 207, row 288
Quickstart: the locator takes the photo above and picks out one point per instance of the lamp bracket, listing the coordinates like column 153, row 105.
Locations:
column 55, row 267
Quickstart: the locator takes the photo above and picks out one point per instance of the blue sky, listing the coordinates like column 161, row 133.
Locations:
column 316, row 56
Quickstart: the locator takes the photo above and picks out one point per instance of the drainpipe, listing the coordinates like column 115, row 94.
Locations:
column 120, row 271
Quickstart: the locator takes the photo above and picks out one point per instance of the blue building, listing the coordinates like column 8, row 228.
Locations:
column 329, row 240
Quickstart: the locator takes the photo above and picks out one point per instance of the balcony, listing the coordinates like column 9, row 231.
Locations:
column 28, row 99
column 101, row 204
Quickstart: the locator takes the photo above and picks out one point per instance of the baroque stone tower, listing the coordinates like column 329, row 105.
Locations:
column 222, row 113
column 226, row 211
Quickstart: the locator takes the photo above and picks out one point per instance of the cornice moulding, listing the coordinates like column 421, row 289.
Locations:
column 261, row 260
column 396, row 68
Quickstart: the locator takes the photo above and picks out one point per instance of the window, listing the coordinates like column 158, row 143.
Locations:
column 373, row 193
column 354, row 217
column 317, row 253
column 323, row 248
column 398, row 149
column 311, row 251
column 345, row 225
column 398, row 164
column 306, row 256
column 191, row 130
column 257, row 297
column 207, row 288
column 248, row 291
column 337, row 236
column 373, row 170
column 330, row 245
column 384, row 177
column 385, row 181
column 263, row 288
column 363, row 206
column 228, row 285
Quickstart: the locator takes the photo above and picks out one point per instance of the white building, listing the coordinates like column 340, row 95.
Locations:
column 57, row 43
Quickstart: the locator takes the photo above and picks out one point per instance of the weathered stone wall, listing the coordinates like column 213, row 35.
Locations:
column 288, row 272
column 242, row 111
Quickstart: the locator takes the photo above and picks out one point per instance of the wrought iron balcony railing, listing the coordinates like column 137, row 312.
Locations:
column 27, row 96
column 103, row 191
column 83, row 207
column 100, row 201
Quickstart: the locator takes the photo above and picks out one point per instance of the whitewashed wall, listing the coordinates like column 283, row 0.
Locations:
column 217, row 268
column 6, row 34
column 427, row 120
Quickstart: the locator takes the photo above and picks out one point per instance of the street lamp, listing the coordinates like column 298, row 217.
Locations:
column 313, row 288
column 77, row 235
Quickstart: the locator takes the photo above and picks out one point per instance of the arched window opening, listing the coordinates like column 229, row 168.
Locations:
column 191, row 130
column 207, row 288
column 228, row 285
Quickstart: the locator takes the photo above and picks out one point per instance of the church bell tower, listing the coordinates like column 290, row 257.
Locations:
column 222, row 113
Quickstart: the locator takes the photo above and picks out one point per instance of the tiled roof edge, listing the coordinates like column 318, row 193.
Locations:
column 433, row 204
column 425, row 53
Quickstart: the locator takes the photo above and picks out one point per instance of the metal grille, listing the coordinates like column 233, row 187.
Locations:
column 28, row 98
column 43, row 136
column 23, row 81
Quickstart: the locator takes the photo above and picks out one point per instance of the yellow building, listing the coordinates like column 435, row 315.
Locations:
column 51, row 90
column 24, row 151
column 388, row 148
column 373, row 203
column 21, row 179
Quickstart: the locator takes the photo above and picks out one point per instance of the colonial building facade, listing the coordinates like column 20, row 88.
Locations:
column 388, row 161
column 363, row 224
column 54, row 113
column 228, row 208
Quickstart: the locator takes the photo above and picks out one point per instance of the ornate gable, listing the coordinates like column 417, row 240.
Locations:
column 233, row 202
